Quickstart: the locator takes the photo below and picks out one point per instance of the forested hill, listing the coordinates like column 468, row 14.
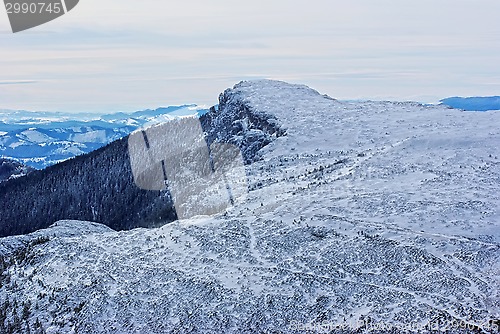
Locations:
column 10, row 169
column 97, row 186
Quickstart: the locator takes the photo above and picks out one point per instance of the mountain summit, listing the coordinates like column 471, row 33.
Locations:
column 359, row 217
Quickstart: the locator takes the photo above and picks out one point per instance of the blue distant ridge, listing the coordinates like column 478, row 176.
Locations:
column 473, row 103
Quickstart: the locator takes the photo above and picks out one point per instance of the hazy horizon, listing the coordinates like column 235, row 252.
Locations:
column 129, row 55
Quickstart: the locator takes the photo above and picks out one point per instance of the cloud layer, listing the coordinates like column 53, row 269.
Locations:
column 127, row 55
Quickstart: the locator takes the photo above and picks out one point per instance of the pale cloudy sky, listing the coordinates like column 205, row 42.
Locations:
column 124, row 55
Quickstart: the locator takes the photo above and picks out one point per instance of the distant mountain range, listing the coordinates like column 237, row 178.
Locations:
column 473, row 103
column 42, row 139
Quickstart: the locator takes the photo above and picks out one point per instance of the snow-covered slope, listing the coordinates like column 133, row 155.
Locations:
column 41, row 139
column 359, row 215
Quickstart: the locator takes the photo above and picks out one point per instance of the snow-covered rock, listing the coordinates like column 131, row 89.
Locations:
column 360, row 216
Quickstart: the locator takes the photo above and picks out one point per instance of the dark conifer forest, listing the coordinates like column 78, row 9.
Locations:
column 98, row 187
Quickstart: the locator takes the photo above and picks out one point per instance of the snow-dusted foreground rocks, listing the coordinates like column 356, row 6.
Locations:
column 360, row 217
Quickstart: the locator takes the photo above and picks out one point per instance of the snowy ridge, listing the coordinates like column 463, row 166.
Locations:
column 359, row 215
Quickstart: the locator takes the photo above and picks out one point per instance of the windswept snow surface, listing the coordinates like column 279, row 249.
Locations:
column 364, row 216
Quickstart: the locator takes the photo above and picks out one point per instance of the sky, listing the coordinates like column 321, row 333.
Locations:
column 125, row 55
